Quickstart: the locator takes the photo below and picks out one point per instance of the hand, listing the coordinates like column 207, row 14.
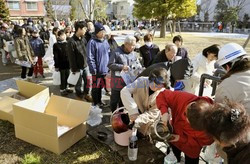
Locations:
column 125, row 68
column 174, row 138
column 165, row 118
column 133, row 117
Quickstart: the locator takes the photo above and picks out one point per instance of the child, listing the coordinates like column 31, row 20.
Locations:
column 37, row 45
column 62, row 61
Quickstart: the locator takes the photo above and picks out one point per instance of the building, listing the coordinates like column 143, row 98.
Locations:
column 210, row 5
column 20, row 9
column 123, row 9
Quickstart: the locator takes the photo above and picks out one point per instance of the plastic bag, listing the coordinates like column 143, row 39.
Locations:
column 56, row 78
column 95, row 116
column 211, row 154
column 73, row 78
column 23, row 63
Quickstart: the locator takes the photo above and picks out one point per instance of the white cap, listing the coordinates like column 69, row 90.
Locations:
column 229, row 52
column 107, row 29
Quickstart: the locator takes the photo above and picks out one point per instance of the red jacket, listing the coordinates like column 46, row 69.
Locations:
column 191, row 141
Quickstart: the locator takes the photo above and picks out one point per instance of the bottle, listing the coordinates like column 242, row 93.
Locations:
column 170, row 158
column 133, row 146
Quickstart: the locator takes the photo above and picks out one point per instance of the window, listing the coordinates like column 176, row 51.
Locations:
column 14, row 5
column 31, row 5
column 121, row 7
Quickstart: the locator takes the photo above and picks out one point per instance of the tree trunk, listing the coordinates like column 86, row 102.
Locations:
column 163, row 27
column 245, row 44
column 174, row 26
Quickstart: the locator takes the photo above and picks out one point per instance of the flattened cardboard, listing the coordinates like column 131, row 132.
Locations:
column 26, row 89
column 38, row 124
column 6, row 110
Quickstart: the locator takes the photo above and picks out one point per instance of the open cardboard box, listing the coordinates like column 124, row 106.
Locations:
column 54, row 123
column 8, row 97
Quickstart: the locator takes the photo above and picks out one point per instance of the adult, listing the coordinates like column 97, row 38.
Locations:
column 149, row 50
column 98, row 51
column 166, row 55
column 202, row 63
column 120, row 60
column 185, row 138
column 229, row 124
column 139, row 98
column 24, row 52
column 78, row 59
column 235, row 85
column 4, row 36
column 90, row 30
column 178, row 41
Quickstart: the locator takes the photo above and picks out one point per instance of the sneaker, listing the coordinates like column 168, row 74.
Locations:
column 102, row 105
column 69, row 90
column 88, row 98
column 64, row 92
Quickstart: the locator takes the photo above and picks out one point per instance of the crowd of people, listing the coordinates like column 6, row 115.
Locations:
column 89, row 49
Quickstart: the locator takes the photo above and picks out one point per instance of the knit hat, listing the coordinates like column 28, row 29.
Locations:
column 98, row 27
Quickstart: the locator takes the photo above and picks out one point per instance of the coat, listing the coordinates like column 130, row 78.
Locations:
column 135, row 97
column 77, row 53
column 37, row 45
column 23, row 49
column 235, row 88
column 191, row 141
column 148, row 54
column 61, row 55
column 239, row 154
column 200, row 66
column 182, row 52
column 98, row 56
column 117, row 60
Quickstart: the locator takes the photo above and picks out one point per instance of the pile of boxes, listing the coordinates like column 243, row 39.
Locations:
column 51, row 122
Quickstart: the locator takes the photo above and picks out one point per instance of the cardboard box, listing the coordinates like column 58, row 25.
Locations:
column 8, row 97
column 6, row 112
column 54, row 123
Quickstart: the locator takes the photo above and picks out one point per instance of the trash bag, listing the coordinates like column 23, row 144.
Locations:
column 95, row 116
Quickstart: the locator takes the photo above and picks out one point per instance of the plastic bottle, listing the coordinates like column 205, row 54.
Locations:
column 170, row 158
column 133, row 146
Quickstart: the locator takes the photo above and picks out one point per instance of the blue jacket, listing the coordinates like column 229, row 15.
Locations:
column 37, row 46
column 98, row 56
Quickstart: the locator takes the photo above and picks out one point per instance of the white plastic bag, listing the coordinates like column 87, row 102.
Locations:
column 56, row 78
column 23, row 63
column 95, row 116
column 73, row 78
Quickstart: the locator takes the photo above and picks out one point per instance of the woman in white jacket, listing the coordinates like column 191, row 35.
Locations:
column 202, row 63
column 142, row 105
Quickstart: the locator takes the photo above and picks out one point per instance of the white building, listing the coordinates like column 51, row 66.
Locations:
column 123, row 9
column 210, row 5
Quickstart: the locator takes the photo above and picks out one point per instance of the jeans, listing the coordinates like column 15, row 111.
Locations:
column 64, row 77
column 24, row 72
column 78, row 86
column 188, row 160
column 115, row 100
column 98, row 82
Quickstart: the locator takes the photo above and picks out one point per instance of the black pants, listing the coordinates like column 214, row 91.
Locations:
column 115, row 100
column 64, row 77
column 78, row 85
column 98, row 82
column 188, row 160
column 24, row 72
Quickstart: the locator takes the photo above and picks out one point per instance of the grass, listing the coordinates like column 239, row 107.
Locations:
column 195, row 44
column 87, row 150
column 13, row 150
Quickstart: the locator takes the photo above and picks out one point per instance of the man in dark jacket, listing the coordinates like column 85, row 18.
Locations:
column 148, row 51
column 98, row 56
column 78, row 59
column 166, row 55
